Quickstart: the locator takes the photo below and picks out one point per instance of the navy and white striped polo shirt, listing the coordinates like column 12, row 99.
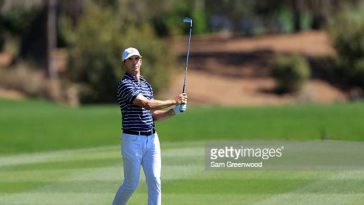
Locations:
column 134, row 118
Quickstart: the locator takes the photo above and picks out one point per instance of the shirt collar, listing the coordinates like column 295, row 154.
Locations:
column 131, row 77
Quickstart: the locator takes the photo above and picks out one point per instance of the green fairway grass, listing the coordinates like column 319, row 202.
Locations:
column 32, row 126
column 91, row 176
column 56, row 155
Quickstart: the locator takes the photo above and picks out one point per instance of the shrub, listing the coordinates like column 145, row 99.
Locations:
column 347, row 33
column 290, row 73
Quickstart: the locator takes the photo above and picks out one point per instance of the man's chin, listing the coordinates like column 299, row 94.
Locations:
column 134, row 71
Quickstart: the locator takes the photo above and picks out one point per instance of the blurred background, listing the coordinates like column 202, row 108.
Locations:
column 255, row 52
column 276, row 71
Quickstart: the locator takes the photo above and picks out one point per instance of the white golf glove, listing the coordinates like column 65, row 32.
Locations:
column 180, row 108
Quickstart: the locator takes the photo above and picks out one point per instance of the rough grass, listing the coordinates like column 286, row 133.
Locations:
column 31, row 126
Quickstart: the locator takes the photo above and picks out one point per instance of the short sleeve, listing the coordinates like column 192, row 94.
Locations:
column 127, row 91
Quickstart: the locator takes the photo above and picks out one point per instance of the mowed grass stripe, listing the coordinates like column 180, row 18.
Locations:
column 57, row 199
column 330, row 189
column 74, row 164
column 312, row 199
column 233, row 186
column 63, row 155
column 61, row 187
column 56, row 174
column 181, row 199
column 196, row 186
column 213, row 199
column 90, row 163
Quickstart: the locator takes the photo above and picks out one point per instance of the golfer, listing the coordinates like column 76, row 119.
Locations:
column 140, row 143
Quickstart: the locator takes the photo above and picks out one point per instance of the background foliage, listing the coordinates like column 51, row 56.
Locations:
column 103, row 32
column 94, row 32
column 290, row 73
column 347, row 33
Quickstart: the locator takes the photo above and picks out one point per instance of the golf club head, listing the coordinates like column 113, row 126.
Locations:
column 187, row 20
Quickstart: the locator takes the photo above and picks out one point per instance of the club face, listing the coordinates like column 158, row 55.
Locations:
column 187, row 20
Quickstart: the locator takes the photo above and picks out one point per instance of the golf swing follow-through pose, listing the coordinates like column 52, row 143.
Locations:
column 140, row 143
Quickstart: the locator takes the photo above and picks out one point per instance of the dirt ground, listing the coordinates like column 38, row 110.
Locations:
column 226, row 70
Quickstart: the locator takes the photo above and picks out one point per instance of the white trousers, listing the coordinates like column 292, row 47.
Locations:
column 137, row 152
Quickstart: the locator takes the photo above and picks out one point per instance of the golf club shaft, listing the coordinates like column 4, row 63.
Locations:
column 186, row 20
column 187, row 60
column 184, row 105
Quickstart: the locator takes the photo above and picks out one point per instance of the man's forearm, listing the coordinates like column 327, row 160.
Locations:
column 160, row 104
column 153, row 104
column 162, row 114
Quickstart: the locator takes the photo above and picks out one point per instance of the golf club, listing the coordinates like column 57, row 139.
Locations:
column 189, row 21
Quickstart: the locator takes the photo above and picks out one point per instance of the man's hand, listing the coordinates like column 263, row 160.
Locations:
column 181, row 106
column 181, row 98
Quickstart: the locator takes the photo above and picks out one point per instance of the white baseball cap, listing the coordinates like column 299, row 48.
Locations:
column 129, row 52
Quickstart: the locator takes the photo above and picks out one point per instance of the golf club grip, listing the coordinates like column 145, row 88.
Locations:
column 183, row 107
